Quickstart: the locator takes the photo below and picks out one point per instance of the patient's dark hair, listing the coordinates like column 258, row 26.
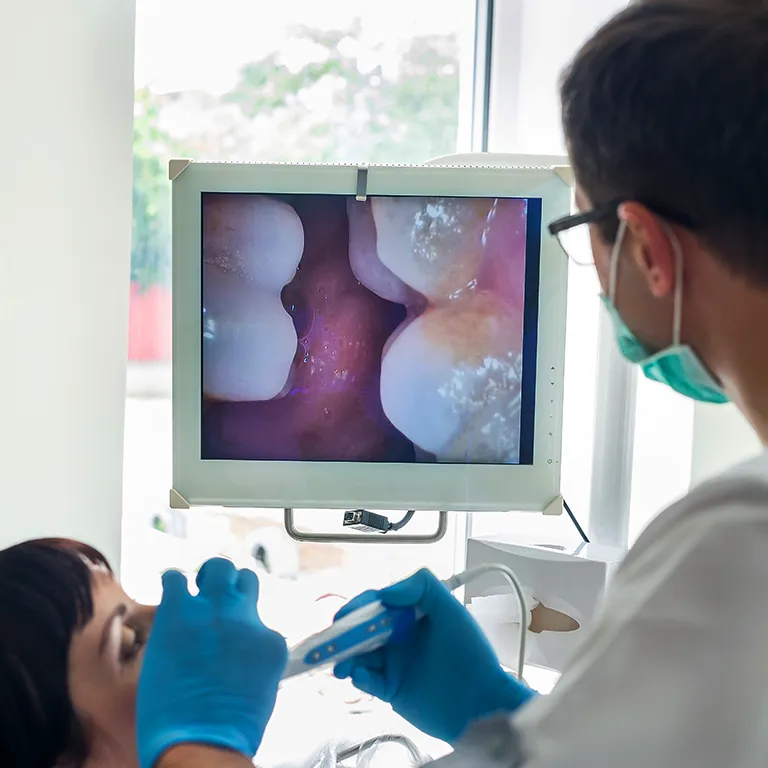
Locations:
column 668, row 105
column 45, row 597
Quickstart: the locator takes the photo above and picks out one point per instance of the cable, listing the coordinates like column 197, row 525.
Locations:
column 374, row 522
column 342, row 640
column 575, row 522
column 389, row 738
column 402, row 523
column 472, row 574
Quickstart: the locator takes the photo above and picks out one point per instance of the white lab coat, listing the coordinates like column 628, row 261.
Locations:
column 675, row 673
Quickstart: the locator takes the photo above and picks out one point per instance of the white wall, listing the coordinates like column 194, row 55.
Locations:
column 66, row 70
column 540, row 38
column 722, row 437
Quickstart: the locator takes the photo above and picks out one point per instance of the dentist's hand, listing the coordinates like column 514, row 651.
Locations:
column 443, row 675
column 211, row 668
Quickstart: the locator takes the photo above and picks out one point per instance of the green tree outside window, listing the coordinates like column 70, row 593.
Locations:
column 396, row 104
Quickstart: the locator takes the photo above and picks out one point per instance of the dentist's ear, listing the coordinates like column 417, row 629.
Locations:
column 650, row 246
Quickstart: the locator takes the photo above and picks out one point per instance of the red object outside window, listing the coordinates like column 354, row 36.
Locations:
column 149, row 324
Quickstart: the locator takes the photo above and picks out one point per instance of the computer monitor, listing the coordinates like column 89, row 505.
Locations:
column 389, row 337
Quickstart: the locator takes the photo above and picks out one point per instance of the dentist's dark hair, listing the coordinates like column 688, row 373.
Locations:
column 667, row 105
column 731, row 5
column 45, row 597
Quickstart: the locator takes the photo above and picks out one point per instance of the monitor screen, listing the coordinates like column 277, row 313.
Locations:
column 390, row 330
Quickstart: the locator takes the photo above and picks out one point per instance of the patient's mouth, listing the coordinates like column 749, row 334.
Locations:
column 388, row 330
column 451, row 372
column 328, row 407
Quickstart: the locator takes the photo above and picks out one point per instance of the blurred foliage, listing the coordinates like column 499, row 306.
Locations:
column 347, row 102
column 354, row 103
column 152, row 147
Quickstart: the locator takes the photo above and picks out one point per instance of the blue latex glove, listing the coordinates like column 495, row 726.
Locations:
column 443, row 674
column 211, row 668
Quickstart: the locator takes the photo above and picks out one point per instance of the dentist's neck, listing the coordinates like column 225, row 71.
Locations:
column 741, row 351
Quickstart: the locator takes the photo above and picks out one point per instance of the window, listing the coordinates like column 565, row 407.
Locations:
column 344, row 85
column 350, row 82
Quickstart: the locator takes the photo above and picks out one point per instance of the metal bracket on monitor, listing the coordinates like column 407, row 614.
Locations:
column 362, row 538
column 176, row 167
column 176, row 500
column 565, row 172
column 361, row 192
column 555, row 507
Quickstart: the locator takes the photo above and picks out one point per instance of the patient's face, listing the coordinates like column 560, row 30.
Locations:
column 104, row 663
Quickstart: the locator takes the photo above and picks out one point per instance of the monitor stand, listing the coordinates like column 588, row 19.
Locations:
column 383, row 537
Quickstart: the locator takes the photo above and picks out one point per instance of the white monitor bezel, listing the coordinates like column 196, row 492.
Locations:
column 347, row 485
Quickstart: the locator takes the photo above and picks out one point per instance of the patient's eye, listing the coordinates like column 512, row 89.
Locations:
column 131, row 643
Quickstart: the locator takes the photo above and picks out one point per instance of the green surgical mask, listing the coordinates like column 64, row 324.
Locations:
column 677, row 366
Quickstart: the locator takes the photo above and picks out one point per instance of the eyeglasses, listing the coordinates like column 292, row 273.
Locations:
column 573, row 235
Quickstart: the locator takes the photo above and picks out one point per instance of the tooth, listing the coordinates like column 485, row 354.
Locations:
column 450, row 380
column 252, row 246
column 365, row 262
column 254, row 236
column 249, row 341
column 434, row 245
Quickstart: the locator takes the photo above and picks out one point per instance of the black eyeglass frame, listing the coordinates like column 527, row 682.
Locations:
column 606, row 210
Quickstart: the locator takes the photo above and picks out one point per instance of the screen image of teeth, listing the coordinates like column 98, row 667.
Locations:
column 388, row 330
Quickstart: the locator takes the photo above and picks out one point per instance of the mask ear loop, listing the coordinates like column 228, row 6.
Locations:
column 677, row 316
column 614, row 271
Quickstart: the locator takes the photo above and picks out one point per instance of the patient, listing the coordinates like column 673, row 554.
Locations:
column 71, row 647
column 70, row 651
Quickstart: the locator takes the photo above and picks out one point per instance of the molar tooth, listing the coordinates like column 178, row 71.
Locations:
column 256, row 237
column 249, row 341
column 252, row 246
column 433, row 244
column 451, row 381
column 364, row 260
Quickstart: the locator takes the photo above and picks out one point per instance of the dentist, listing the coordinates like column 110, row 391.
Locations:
column 665, row 112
